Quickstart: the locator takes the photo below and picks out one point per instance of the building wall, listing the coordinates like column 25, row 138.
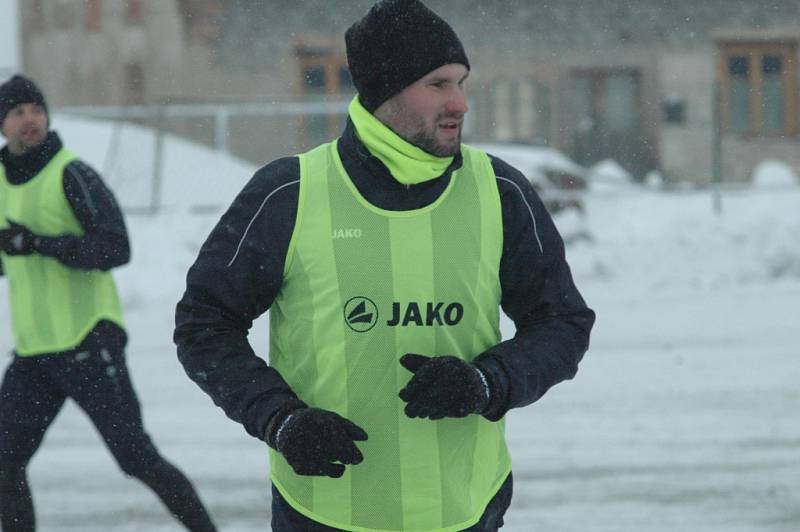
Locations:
column 687, row 78
column 117, row 63
column 740, row 156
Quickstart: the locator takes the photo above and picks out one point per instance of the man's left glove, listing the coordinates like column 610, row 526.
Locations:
column 18, row 239
column 315, row 442
column 444, row 387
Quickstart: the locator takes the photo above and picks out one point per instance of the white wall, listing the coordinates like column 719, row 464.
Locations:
column 9, row 38
column 686, row 149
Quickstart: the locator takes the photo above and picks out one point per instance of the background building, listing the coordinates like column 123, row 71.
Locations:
column 676, row 86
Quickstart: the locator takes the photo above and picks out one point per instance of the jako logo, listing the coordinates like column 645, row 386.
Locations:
column 345, row 233
column 360, row 314
column 434, row 314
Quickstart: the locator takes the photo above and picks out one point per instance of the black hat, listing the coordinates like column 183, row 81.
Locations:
column 16, row 91
column 396, row 43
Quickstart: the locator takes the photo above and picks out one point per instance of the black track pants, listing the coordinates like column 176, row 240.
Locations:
column 96, row 377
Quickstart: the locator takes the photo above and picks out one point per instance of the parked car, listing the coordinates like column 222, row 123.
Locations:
column 559, row 181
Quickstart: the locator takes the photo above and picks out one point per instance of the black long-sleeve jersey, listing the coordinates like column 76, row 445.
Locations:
column 223, row 296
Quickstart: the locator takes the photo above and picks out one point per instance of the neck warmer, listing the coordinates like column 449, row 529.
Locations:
column 22, row 168
column 407, row 163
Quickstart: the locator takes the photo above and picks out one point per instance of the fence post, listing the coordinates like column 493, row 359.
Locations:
column 221, row 118
column 158, row 162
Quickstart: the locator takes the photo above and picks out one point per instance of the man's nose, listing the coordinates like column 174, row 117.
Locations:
column 27, row 116
column 458, row 102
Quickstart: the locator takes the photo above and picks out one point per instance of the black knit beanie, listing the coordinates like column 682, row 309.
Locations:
column 18, row 90
column 396, row 43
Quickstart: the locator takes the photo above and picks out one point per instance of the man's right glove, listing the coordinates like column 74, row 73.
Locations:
column 315, row 442
column 17, row 239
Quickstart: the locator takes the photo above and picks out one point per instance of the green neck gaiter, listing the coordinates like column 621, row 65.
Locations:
column 407, row 163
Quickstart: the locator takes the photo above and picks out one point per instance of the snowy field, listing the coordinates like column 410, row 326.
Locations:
column 685, row 414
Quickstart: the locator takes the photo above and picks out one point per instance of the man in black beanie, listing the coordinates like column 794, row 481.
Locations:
column 14, row 92
column 384, row 258
column 61, row 231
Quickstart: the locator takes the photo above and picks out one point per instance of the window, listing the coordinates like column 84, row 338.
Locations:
column 315, row 80
column 93, row 15
column 758, row 89
column 345, row 80
column 544, row 120
column 134, row 84
column 620, row 99
column 606, row 110
column 520, row 110
column 203, row 22
column 64, row 15
column 35, row 15
column 323, row 75
column 133, row 12
column 315, row 83
column 526, row 110
column 674, row 110
column 606, row 100
column 503, row 114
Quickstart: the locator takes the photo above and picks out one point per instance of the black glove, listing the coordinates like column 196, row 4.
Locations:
column 443, row 387
column 18, row 240
column 315, row 442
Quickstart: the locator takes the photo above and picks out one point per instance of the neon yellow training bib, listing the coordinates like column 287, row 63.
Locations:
column 53, row 307
column 362, row 287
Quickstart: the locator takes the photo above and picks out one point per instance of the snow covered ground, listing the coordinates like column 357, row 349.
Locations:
column 683, row 416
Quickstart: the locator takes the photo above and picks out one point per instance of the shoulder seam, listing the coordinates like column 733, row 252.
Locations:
column 89, row 203
column 253, row 219
column 530, row 210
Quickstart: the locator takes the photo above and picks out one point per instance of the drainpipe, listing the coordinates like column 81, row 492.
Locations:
column 716, row 148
